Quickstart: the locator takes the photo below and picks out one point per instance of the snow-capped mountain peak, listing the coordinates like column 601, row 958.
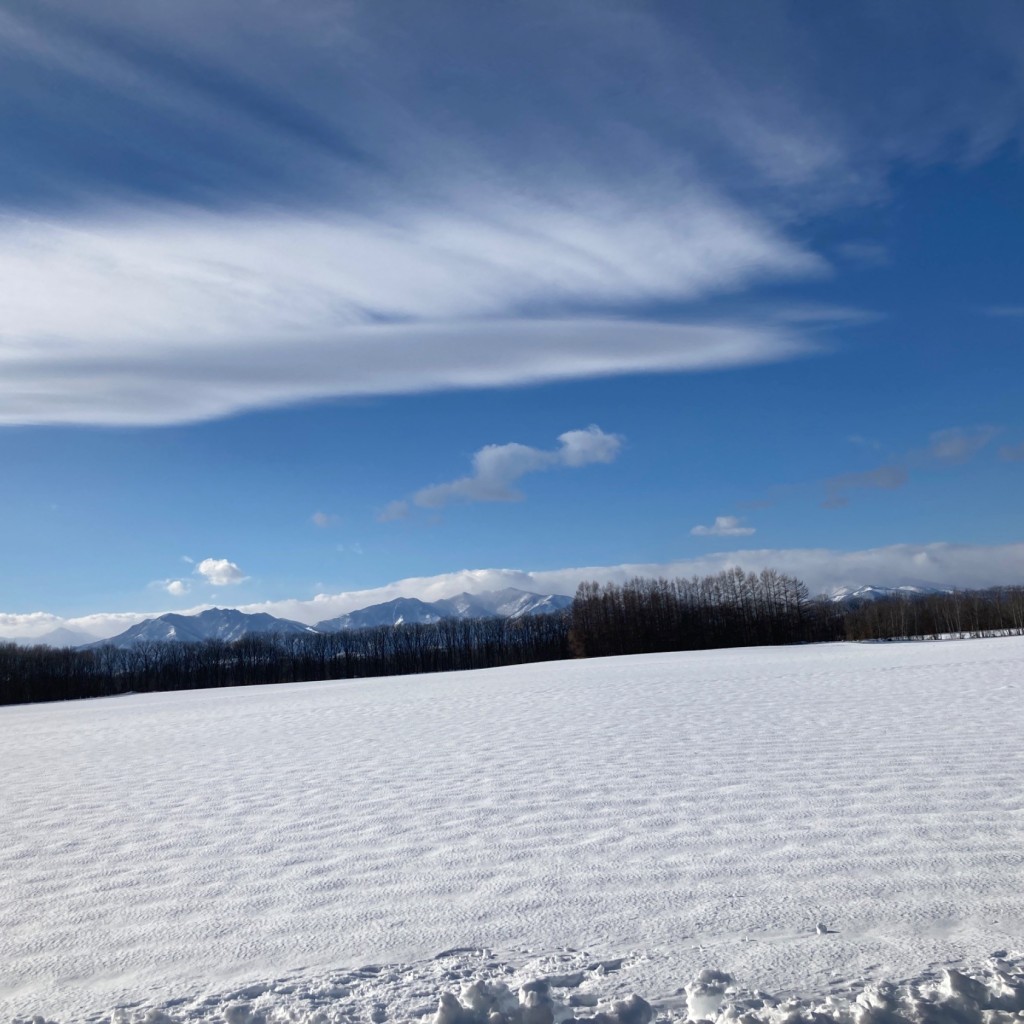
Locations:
column 230, row 624
column 506, row 604
column 874, row 593
column 227, row 624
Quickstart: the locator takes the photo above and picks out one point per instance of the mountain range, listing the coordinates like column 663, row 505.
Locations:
column 229, row 624
column 861, row 595
column 506, row 604
column 59, row 637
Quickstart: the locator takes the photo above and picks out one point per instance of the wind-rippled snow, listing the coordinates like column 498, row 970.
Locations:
column 176, row 853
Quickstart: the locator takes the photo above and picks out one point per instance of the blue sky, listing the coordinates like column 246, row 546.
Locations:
column 308, row 299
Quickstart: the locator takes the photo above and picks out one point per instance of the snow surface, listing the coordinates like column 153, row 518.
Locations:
column 613, row 826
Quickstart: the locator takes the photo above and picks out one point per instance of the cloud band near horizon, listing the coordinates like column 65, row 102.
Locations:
column 823, row 570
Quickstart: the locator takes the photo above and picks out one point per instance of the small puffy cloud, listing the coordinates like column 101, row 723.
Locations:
column 957, row 444
column 582, row 447
column 497, row 467
column 323, row 519
column 176, row 588
column 724, row 526
column 220, row 572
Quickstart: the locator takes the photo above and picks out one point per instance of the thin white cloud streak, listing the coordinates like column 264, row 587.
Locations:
column 957, row 444
column 147, row 319
column 950, row 447
column 724, row 526
column 869, row 254
column 393, row 511
column 883, row 478
column 157, row 385
column 496, row 467
column 822, row 569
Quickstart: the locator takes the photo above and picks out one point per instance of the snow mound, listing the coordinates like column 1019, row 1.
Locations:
column 993, row 994
column 476, row 987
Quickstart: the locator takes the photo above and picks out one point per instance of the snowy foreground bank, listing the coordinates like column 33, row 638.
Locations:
column 222, row 855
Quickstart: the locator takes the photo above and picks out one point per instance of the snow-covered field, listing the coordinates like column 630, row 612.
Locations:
column 306, row 852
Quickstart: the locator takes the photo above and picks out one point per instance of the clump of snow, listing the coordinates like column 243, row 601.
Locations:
column 494, row 992
column 706, row 993
column 993, row 994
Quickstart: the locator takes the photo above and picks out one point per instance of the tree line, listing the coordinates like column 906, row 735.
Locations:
column 729, row 609
column 997, row 611
column 29, row 674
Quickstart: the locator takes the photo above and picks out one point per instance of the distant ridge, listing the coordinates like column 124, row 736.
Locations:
column 229, row 624
column 60, row 637
column 506, row 604
column 861, row 595
column 225, row 624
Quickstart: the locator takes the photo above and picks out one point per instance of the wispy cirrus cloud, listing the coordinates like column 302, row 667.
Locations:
column 157, row 309
column 497, row 467
column 949, row 447
column 958, row 444
column 414, row 241
column 884, row 478
column 393, row 511
column 1007, row 311
column 868, row 254
column 196, row 109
